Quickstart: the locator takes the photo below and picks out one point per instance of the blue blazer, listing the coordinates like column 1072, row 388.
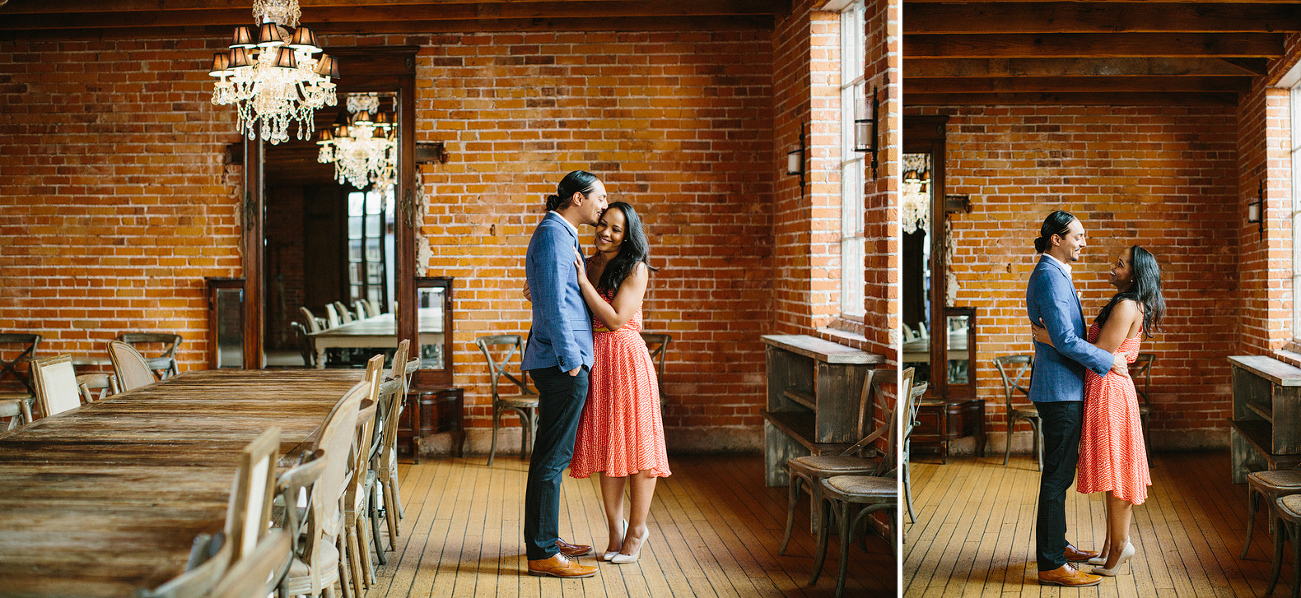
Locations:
column 1059, row 372
column 562, row 324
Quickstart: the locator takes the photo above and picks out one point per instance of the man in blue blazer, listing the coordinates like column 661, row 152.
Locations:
column 559, row 358
column 1057, row 389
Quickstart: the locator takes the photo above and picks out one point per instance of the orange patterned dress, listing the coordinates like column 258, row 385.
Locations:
column 1111, row 441
column 620, row 431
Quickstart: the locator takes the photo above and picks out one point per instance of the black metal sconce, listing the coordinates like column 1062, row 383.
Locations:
column 867, row 127
column 795, row 160
column 1256, row 210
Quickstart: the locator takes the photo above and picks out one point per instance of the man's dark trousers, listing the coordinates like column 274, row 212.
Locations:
column 560, row 402
column 1060, row 424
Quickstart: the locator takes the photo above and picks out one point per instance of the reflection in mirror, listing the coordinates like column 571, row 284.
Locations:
column 230, row 328
column 916, row 221
column 429, row 307
column 959, row 355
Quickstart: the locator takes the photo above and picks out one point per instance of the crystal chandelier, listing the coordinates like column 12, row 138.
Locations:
column 916, row 196
column 274, row 77
column 363, row 147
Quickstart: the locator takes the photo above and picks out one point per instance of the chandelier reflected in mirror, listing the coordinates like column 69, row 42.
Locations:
column 362, row 145
column 916, row 209
column 274, row 77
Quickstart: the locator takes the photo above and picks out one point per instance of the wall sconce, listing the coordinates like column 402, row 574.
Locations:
column 1256, row 210
column 795, row 160
column 866, row 129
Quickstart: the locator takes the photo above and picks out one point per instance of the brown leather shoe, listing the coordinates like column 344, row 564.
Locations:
column 1064, row 575
column 1075, row 555
column 572, row 550
column 559, row 566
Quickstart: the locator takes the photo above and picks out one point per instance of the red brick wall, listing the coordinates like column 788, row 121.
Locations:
column 114, row 202
column 1161, row 177
column 1264, row 142
column 687, row 141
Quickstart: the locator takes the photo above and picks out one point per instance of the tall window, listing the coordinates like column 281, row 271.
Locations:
column 852, row 163
column 370, row 242
column 1295, row 117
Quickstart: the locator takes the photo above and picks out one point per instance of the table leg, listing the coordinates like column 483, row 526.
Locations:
column 320, row 358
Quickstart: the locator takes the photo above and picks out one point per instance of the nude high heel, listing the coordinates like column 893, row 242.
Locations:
column 1125, row 555
column 622, row 534
column 623, row 559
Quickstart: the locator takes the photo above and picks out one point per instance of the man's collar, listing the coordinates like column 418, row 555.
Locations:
column 572, row 228
column 1065, row 266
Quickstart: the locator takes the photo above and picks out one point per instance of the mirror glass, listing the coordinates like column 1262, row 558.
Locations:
column 959, row 355
column 230, row 328
column 917, row 283
column 429, row 308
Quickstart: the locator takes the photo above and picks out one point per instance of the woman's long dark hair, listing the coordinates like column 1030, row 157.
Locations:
column 634, row 249
column 578, row 181
column 1144, row 288
column 1055, row 224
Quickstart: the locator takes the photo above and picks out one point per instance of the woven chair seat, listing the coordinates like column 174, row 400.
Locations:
column 520, row 401
column 832, row 465
column 1282, row 478
column 873, row 487
column 1026, row 411
column 1289, row 507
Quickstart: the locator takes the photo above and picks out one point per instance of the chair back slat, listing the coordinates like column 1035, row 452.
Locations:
column 310, row 320
column 1142, row 367
column 360, row 310
column 9, row 370
column 332, row 316
column 249, row 511
column 1015, row 370
column 511, row 344
column 130, row 367
column 299, row 491
column 345, row 316
column 336, row 440
column 658, row 345
column 56, row 385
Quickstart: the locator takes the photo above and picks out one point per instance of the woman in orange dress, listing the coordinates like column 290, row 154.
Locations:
column 620, row 433
column 1112, row 457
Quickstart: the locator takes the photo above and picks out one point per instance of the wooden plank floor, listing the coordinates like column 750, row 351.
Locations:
column 715, row 530
column 974, row 534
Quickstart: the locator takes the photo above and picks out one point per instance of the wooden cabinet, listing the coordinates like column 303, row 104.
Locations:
column 430, row 411
column 814, row 387
column 939, row 422
column 1266, row 426
column 433, row 404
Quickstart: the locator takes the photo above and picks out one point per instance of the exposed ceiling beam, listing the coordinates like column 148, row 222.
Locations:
column 396, row 14
column 1078, row 84
column 1099, row 17
column 1094, row 45
column 1071, row 67
column 65, row 6
column 908, row 3
column 1101, row 98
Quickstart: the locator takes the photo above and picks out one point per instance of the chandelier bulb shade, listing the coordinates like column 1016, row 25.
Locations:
column 274, row 77
column 362, row 145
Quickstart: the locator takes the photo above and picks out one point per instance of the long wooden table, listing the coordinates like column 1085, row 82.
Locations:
column 107, row 498
column 379, row 331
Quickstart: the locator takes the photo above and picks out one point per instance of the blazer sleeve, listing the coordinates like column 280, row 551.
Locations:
column 1057, row 303
column 549, row 271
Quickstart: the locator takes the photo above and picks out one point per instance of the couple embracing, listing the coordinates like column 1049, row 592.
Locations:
column 598, row 396
column 1087, row 403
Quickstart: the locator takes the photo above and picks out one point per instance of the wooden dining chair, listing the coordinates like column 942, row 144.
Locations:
column 304, row 343
column 658, row 345
column 359, row 309
column 865, row 494
column 336, row 440
column 861, row 458
column 372, row 310
column 209, row 558
column 525, row 403
column 130, row 367
column 1015, row 371
column 332, row 317
column 96, row 387
column 1142, row 369
column 356, row 512
column 1269, row 486
column 260, row 572
column 385, row 463
column 315, row 564
column 17, row 393
column 345, row 316
column 56, row 385
column 164, row 364
column 910, row 424
column 310, row 321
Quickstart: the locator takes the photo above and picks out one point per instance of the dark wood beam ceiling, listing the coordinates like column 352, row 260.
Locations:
column 61, row 19
column 1094, row 52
